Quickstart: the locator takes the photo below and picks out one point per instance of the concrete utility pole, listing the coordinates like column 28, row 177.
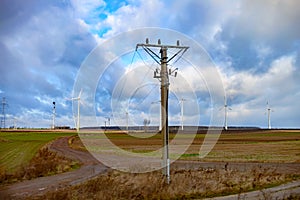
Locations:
column 163, row 75
column 4, row 104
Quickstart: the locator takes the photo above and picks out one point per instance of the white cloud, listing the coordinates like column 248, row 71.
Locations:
column 269, row 19
column 278, row 77
column 87, row 8
column 248, row 92
column 252, row 41
column 128, row 17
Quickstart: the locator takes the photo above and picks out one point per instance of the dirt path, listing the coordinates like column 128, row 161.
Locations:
column 91, row 168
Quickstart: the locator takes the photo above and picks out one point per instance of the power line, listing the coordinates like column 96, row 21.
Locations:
column 142, row 79
column 4, row 104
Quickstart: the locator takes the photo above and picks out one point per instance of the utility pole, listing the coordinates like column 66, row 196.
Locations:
column 4, row 104
column 163, row 75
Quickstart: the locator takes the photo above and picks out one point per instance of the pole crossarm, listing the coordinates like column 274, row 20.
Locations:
column 147, row 48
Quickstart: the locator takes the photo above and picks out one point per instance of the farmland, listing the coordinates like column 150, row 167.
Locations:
column 19, row 147
column 260, row 146
column 271, row 157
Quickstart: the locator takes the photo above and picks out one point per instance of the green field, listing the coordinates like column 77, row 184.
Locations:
column 17, row 147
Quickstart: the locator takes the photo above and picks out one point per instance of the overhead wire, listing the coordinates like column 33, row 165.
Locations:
column 150, row 68
column 123, row 85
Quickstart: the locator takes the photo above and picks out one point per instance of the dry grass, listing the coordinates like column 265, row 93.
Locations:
column 45, row 163
column 185, row 184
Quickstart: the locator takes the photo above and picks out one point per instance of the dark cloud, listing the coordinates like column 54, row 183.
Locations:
column 268, row 23
column 43, row 43
column 41, row 49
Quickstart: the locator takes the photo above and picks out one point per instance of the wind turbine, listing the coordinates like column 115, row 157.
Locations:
column 53, row 115
column 181, row 111
column 126, row 121
column 160, row 125
column 269, row 115
column 15, row 127
column 78, row 109
column 226, row 108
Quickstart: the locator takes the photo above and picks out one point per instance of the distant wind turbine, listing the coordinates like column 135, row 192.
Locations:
column 181, row 111
column 269, row 115
column 126, row 121
column 160, row 125
column 226, row 108
column 78, row 109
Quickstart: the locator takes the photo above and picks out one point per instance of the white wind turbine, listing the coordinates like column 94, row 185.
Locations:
column 269, row 115
column 181, row 110
column 78, row 109
column 160, row 125
column 226, row 108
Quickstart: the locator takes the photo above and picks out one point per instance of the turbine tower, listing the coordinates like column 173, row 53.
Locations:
column 78, row 109
column 156, row 102
column 226, row 108
column 127, row 121
column 181, row 111
column 269, row 115
column 4, row 104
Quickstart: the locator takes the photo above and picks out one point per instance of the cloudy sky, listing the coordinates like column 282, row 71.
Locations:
column 254, row 46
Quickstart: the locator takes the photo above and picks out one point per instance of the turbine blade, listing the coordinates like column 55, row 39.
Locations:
column 80, row 93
